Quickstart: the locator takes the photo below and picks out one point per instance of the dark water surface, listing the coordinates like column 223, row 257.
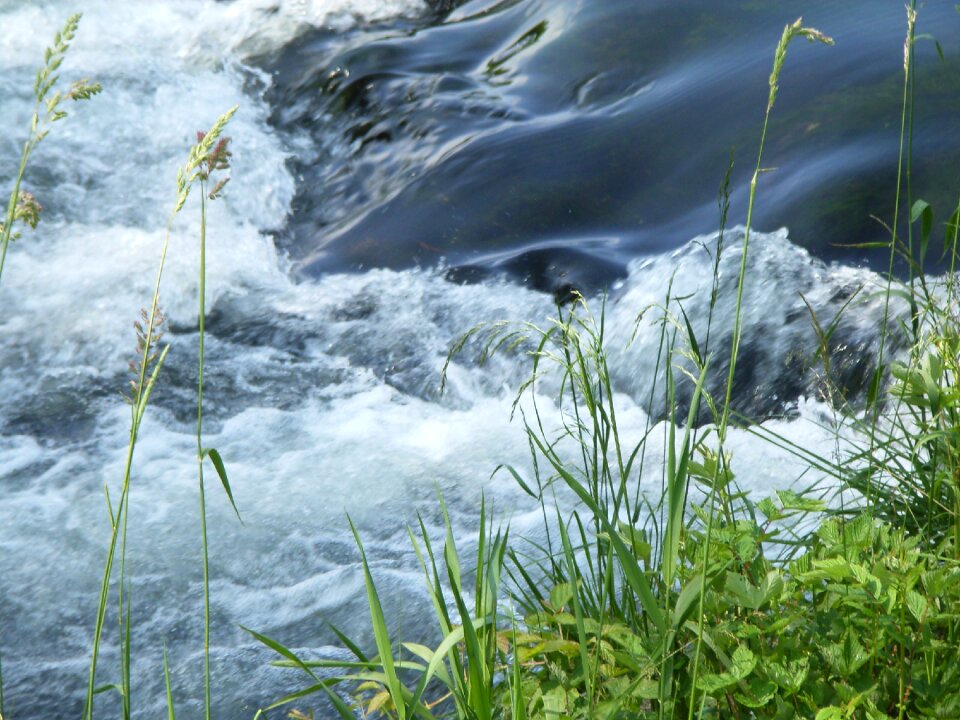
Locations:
column 541, row 133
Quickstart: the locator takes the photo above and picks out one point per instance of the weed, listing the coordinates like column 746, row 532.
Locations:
column 23, row 207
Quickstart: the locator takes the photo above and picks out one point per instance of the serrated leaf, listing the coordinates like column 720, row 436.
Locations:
column 761, row 692
column 844, row 658
column 792, row 501
column 744, row 661
column 713, row 682
column 743, row 592
column 769, row 509
column 831, row 712
column 828, row 569
column 646, row 689
column 917, row 604
column 790, row 676
column 861, row 574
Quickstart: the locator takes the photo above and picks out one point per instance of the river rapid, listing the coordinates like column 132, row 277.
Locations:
column 403, row 170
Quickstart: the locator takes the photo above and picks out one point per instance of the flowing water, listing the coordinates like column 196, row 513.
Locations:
column 402, row 171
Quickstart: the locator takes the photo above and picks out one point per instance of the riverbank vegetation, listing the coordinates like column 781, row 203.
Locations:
column 695, row 600
column 701, row 600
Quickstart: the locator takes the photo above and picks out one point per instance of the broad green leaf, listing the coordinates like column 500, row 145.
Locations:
column 561, row 595
column 758, row 694
column 828, row 569
column 830, row 713
column 743, row 592
column 710, row 683
column 870, row 582
column 790, row 676
column 918, row 605
column 744, row 661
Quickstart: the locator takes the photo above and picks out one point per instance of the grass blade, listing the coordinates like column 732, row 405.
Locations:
column 380, row 632
column 222, row 473
column 166, row 681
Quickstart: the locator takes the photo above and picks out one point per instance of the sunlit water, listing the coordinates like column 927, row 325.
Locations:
column 385, row 153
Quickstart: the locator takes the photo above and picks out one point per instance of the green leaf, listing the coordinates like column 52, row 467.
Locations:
column 790, row 676
column 844, row 658
column 870, row 582
column 519, row 480
column 922, row 210
column 743, row 592
column 561, row 595
column 222, row 472
column 744, row 661
column 741, row 665
column 769, row 509
column 380, row 631
column 829, row 569
column 637, row 539
column 281, row 650
column 712, row 682
column 830, row 713
column 691, row 336
column 873, row 390
column 917, row 604
column 634, row 576
column 166, row 681
column 348, row 643
column 760, row 692
column 792, row 501
column 689, row 593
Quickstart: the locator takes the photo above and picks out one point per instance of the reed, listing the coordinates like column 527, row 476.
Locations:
column 22, row 206
column 210, row 155
column 146, row 371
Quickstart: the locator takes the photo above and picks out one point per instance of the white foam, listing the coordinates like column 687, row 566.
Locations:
column 255, row 27
column 143, row 33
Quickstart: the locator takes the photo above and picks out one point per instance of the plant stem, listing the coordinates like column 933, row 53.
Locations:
column 12, row 203
column 203, row 506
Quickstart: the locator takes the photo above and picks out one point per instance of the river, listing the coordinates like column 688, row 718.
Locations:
column 402, row 171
